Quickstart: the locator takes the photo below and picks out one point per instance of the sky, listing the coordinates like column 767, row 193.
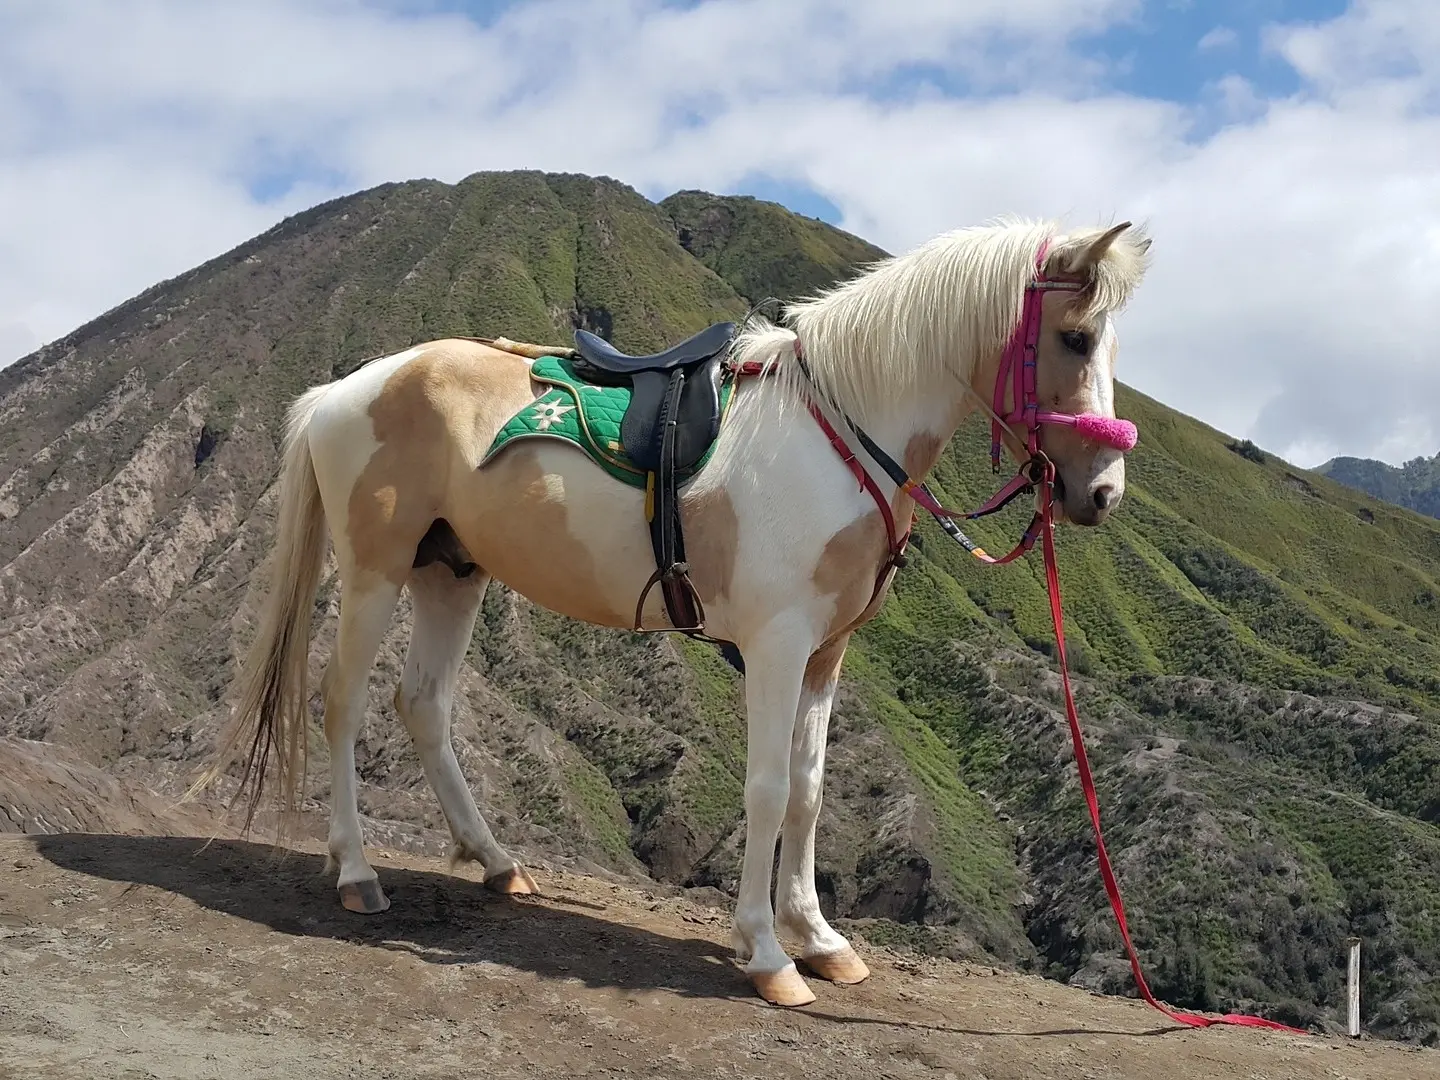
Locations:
column 1284, row 155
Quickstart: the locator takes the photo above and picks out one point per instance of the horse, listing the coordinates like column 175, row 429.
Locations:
column 793, row 537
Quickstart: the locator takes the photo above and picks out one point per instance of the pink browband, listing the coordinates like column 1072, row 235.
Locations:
column 1017, row 366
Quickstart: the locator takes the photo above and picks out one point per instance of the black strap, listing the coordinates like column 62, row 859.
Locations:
column 672, row 572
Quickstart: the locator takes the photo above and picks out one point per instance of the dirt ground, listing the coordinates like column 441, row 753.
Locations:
column 155, row 957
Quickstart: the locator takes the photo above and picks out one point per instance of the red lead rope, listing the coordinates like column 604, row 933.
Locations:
column 1087, row 782
column 1044, row 523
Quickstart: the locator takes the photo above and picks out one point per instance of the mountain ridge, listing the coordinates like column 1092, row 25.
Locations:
column 1254, row 644
column 1414, row 485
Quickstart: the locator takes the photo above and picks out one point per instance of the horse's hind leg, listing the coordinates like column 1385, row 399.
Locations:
column 445, row 608
column 367, row 602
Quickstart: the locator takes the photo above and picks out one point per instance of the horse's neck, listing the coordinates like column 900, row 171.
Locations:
column 914, row 430
column 918, row 416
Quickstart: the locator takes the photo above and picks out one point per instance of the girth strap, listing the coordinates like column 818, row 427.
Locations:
column 662, row 512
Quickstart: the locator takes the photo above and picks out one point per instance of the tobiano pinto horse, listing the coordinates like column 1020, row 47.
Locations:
column 837, row 411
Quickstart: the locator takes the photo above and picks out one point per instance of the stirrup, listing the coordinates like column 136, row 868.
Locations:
column 677, row 572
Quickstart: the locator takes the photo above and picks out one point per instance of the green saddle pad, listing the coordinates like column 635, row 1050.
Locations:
column 584, row 415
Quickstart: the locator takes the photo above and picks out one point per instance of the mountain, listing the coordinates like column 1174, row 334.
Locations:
column 1415, row 485
column 1256, row 647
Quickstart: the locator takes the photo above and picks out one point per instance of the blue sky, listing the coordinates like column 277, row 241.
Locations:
column 1175, row 49
column 1282, row 153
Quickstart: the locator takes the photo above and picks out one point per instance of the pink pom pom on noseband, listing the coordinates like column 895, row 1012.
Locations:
column 1119, row 434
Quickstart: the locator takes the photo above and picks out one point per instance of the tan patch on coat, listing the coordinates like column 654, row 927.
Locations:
column 523, row 527
column 399, row 492
column 712, row 540
column 848, row 566
column 921, row 453
column 427, row 419
column 823, row 667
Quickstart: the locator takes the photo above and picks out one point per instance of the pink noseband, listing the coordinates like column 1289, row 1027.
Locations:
column 1109, row 431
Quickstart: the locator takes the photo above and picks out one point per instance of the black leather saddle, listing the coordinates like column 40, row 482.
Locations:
column 672, row 419
column 599, row 353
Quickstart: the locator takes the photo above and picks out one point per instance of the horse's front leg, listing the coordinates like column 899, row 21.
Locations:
column 774, row 666
column 797, row 905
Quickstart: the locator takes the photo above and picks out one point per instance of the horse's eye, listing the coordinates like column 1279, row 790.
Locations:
column 1077, row 341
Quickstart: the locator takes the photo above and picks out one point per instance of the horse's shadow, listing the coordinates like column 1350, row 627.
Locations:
column 437, row 917
column 441, row 919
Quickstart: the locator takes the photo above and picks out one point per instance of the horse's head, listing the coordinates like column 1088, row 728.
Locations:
column 1068, row 320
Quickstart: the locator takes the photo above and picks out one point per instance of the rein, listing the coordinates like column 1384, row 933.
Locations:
column 1017, row 367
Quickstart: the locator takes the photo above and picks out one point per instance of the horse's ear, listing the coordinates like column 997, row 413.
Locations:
column 1096, row 249
column 1081, row 257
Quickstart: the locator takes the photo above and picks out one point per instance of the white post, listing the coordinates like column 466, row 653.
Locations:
column 1352, row 1026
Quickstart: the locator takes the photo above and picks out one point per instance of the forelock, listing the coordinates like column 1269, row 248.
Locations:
column 1113, row 280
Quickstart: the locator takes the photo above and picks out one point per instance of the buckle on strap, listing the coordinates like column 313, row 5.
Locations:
column 1039, row 469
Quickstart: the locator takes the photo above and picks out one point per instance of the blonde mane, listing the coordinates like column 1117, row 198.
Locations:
column 909, row 324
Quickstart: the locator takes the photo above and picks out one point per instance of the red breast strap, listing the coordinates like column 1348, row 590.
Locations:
column 896, row 545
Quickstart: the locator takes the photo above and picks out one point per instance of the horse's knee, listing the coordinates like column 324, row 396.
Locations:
column 423, row 717
column 767, row 795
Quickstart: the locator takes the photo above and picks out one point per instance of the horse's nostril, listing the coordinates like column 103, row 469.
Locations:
column 1103, row 496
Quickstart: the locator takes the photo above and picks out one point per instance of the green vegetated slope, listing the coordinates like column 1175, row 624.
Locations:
column 1260, row 658
column 1255, row 646
column 761, row 248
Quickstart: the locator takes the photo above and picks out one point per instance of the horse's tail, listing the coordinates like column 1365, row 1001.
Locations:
column 273, row 703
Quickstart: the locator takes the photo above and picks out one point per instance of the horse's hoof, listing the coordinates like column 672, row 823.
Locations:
column 366, row 897
column 513, row 882
column 784, row 987
column 838, row 967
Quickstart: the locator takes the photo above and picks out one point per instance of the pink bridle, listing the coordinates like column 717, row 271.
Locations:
column 1018, row 363
column 1017, row 369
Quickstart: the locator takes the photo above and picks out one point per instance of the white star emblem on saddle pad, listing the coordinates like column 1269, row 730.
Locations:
column 549, row 412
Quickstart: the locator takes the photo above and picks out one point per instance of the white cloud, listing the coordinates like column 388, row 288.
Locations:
column 1396, row 41
column 90, row 229
column 1220, row 37
column 1297, row 240
column 17, row 340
